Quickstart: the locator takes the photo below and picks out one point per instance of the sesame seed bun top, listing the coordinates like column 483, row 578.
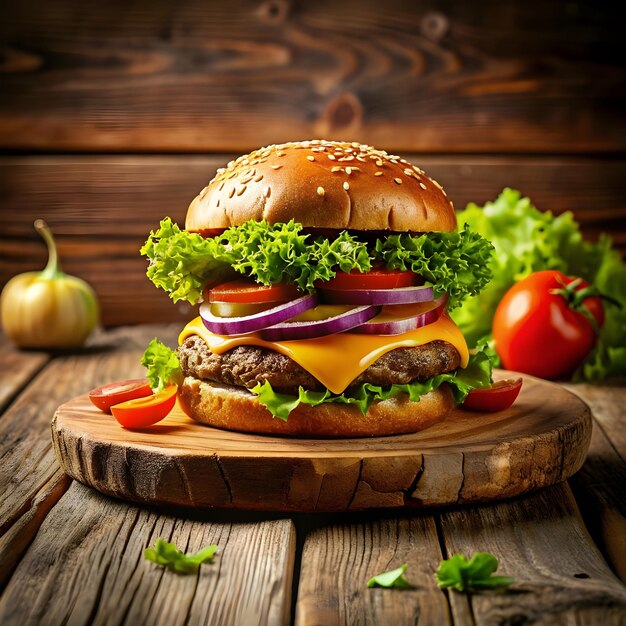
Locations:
column 323, row 184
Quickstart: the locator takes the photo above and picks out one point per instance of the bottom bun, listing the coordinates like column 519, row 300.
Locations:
column 235, row 408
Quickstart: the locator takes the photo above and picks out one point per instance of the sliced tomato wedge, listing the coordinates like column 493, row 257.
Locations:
column 244, row 291
column 145, row 411
column 106, row 396
column 377, row 278
column 498, row 397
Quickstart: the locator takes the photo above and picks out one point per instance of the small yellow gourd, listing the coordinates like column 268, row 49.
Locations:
column 48, row 309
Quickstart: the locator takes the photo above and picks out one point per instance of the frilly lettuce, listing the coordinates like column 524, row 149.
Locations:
column 163, row 367
column 476, row 375
column 527, row 240
column 182, row 263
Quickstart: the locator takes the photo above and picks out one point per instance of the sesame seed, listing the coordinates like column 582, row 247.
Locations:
column 348, row 170
column 268, row 191
column 240, row 192
column 337, row 168
column 221, row 186
column 423, row 186
column 276, row 167
column 346, row 186
column 311, row 157
column 378, row 173
column 397, row 180
column 408, row 172
column 217, row 203
column 231, row 193
column 332, row 157
column 280, row 153
column 379, row 163
column 258, row 178
column 355, row 144
column 320, row 191
column 315, row 142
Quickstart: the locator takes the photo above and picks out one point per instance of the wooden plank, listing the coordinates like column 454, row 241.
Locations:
column 86, row 566
column 28, row 460
column 540, row 540
column 102, row 209
column 600, row 486
column 18, row 367
column 442, row 76
column 339, row 558
column 607, row 403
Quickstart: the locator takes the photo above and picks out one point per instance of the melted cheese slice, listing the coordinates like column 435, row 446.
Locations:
column 336, row 360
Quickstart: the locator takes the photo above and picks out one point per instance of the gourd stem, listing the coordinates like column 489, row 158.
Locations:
column 53, row 268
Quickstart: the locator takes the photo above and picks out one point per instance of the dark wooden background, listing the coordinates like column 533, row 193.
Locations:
column 114, row 114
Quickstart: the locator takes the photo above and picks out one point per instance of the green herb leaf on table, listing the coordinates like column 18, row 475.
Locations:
column 393, row 579
column 462, row 574
column 163, row 366
column 169, row 556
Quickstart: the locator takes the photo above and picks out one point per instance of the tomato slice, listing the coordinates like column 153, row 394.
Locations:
column 377, row 278
column 144, row 412
column 106, row 396
column 498, row 397
column 249, row 292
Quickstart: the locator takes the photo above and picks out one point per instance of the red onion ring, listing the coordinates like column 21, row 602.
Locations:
column 399, row 295
column 426, row 315
column 318, row 328
column 257, row 321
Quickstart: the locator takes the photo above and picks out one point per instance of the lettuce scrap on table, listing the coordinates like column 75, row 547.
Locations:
column 526, row 241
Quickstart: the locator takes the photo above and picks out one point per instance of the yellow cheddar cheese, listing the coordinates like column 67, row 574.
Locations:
column 336, row 360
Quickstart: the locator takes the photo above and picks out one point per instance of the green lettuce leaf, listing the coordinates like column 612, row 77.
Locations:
column 393, row 579
column 526, row 241
column 163, row 367
column 182, row 263
column 457, row 262
column 462, row 574
column 169, row 556
column 477, row 374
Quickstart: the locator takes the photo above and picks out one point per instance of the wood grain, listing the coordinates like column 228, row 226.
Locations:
column 600, row 486
column 28, row 461
column 540, row 540
column 339, row 558
column 18, row 368
column 102, row 209
column 470, row 457
column 512, row 77
column 86, row 566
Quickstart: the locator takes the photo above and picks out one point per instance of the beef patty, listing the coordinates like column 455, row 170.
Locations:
column 245, row 366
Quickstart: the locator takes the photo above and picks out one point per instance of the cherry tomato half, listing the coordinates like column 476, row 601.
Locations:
column 498, row 397
column 250, row 292
column 537, row 332
column 106, row 396
column 145, row 411
column 377, row 278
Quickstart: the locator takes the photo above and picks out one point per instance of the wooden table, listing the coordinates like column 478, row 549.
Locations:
column 70, row 555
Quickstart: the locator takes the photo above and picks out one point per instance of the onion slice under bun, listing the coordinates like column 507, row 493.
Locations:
column 318, row 328
column 257, row 321
column 404, row 318
column 398, row 295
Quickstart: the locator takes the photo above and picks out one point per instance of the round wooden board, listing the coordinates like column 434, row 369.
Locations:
column 471, row 457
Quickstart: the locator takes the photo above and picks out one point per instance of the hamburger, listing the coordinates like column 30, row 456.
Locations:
column 324, row 272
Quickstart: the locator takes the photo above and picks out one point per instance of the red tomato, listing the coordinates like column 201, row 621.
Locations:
column 106, row 396
column 377, row 278
column 247, row 291
column 498, row 397
column 145, row 411
column 538, row 327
